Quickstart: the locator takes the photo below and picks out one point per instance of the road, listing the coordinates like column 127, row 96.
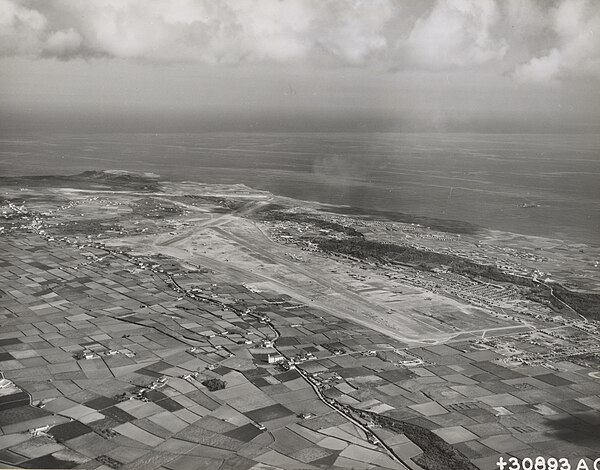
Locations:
column 559, row 300
column 338, row 409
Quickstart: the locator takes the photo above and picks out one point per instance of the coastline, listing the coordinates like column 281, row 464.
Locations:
column 483, row 181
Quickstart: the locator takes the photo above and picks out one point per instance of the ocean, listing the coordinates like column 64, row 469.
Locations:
column 484, row 179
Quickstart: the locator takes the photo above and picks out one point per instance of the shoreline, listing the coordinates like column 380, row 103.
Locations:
column 449, row 225
column 430, row 176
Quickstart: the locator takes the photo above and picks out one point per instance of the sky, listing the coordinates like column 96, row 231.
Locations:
column 306, row 65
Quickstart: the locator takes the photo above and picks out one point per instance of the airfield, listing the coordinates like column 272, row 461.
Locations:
column 121, row 299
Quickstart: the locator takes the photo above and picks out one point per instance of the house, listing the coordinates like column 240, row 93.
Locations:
column 273, row 358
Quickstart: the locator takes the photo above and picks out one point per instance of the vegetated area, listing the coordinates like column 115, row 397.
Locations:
column 427, row 260
column 115, row 180
column 148, row 207
column 271, row 214
column 443, row 225
column 587, row 304
column 437, row 453
column 223, row 204
column 214, row 384
column 88, row 226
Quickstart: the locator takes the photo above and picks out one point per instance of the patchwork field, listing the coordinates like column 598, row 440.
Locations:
column 165, row 328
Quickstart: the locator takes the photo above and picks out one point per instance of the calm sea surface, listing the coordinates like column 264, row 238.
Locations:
column 478, row 178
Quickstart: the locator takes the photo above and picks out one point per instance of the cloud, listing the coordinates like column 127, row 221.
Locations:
column 210, row 31
column 20, row 28
column 63, row 43
column 576, row 46
column 456, row 33
column 535, row 40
